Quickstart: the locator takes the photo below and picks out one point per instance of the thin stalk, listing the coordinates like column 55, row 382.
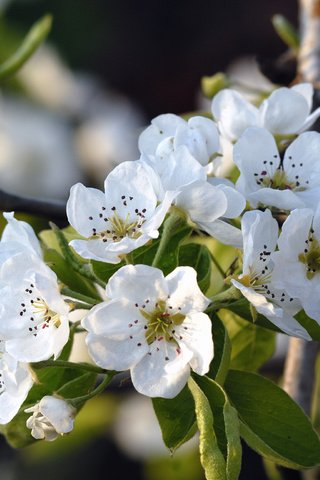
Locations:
column 99, row 389
column 79, row 296
column 170, row 227
column 64, row 364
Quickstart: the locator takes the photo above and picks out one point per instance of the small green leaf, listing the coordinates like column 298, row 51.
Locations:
column 211, row 456
column 286, row 31
column 210, row 86
column 242, row 308
column 252, row 345
column 225, row 424
column 309, row 324
column 222, row 350
column 36, row 35
column 197, row 256
column 105, row 270
column 176, row 418
column 271, row 422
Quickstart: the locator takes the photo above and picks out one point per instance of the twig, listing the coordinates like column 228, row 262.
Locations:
column 52, row 209
column 309, row 52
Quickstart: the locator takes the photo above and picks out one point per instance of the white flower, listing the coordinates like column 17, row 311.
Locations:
column 123, row 218
column 266, row 179
column 260, row 235
column 206, row 203
column 33, row 314
column 153, row 326
column 285, row 112
column 15, row 383
column 18, row 237
column 297, row 263
column 199, row 134
column 50, row 418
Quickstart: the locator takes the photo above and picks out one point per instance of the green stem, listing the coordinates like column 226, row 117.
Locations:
column 223, row 298
column 173, row 222
column 218, row 267
column 31, row 42
column 129, row 259
column 78, row 306
column 71, row 258
column 79, row 296
column 64, row 364
column 78, row 401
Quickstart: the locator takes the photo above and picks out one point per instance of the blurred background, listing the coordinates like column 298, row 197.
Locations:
column 73, row 113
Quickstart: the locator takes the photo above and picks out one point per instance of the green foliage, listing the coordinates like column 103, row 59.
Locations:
column 211, row 457
column 286, row 31
column 225, row 424
column 34, row 38
column 197, row 256
column 176, row 418
column 271, row 422
column 222, row 350
column 66, row 382
column 252, row 345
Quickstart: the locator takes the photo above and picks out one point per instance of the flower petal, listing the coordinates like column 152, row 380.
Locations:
column 161, row 127
column 223, row 231
column 301, row 160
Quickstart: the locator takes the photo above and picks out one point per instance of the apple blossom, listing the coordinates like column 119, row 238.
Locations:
column 123, row 218
column 297, row 261
column 260, row 235
column 15, row 383
column 51, row 417
column 266, row 179
column 207, row 203
column 199, row 134
column 33, row 315
column 286, row 111
column 154, row 326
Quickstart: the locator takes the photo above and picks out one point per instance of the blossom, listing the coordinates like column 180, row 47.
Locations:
column 199, row 135
column 15, row 383
column 33, row 315
column 208, row 204
column 297, row 263
column 286, row 111
column 154, row 326
column 51, row 417
column 123, row 218
column 18, row 236
column 260, row 235
column 266, row 179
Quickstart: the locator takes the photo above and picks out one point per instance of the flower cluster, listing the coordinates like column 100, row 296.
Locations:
column 145, row 311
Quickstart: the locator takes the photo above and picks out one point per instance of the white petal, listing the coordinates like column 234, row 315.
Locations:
column 257, row 157
column 59, row 413
column 284, row 111
column 21, row 233
column 117, row 354
column 224, row 232
column 310, row 120
column 128, row 188
column 137, row 283
column 161, row 127
column 236, row 201
column 152, row 376
column 306, row 90
column 83, row 208
column 260, row 235
column 275, row 314
column 117, row 319
column 233, row 113
column 282, row 199
column 202, row 202
column 301, row 160
column 184, row 291
column 195, row 333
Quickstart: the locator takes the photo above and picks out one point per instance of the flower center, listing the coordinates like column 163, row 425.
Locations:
column 161, row 323
column 38, row 312
column 311, row 256
column 279, row 181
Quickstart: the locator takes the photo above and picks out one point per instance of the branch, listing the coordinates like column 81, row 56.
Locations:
column 309, row 53
column 299, row 371
column 51, row 209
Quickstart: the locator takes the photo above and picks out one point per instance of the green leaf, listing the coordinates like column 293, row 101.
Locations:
column 197, row 256
column 105, row 270
column 222, row 350
column 286, row 31
column 66, row 382
column 211, row 456
column 68, row 276
column 242, row 309
column 36, row 35
column 252, row 345
column 176, row 418
column 225, row 424
column 271, row 422
column 309, row 324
